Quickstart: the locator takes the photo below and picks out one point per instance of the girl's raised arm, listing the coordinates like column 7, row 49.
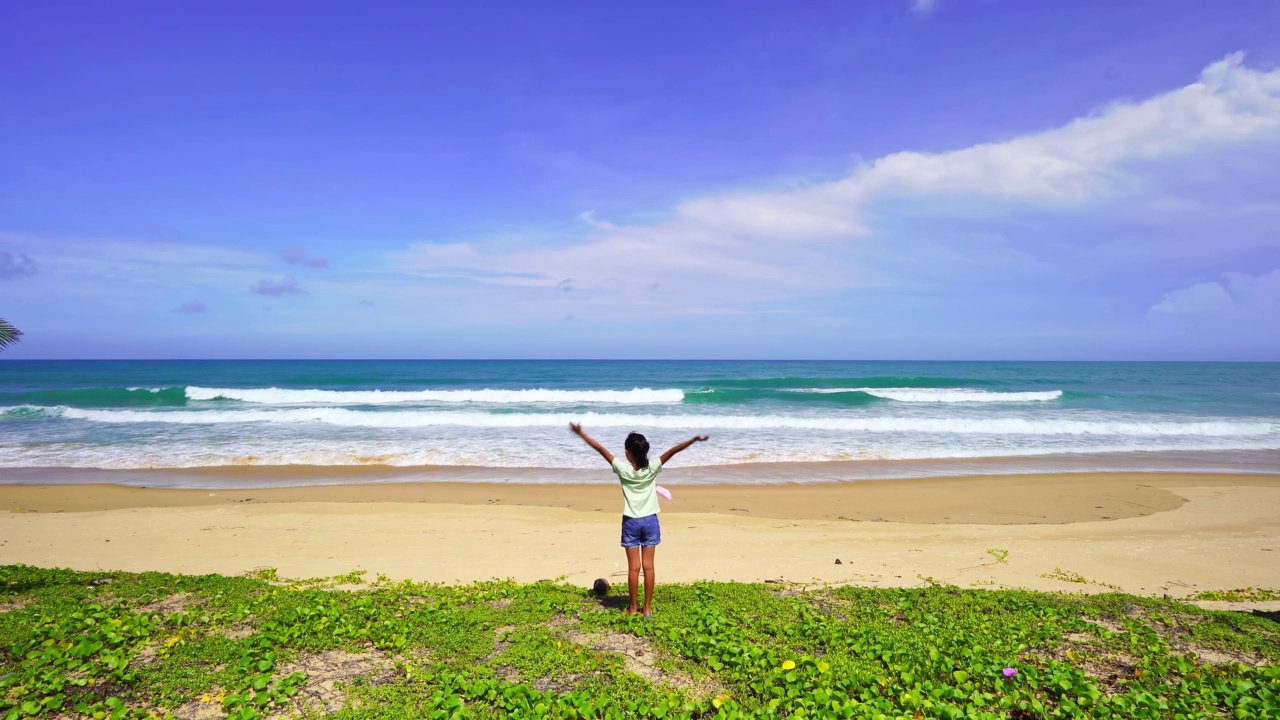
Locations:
column 576, row 429
column 671, row 453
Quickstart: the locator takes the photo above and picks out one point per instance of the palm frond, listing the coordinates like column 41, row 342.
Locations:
column 8, row 334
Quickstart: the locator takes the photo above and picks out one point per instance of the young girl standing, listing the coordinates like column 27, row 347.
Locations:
column 640, row 530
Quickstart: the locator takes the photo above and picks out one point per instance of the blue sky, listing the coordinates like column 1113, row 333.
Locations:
column 957, row 179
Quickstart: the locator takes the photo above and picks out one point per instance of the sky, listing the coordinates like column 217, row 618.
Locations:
column 862, row 179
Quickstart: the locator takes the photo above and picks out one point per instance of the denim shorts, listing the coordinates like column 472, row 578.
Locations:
column 641, row 531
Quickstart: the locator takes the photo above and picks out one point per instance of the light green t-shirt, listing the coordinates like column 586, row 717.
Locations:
column 639, row 497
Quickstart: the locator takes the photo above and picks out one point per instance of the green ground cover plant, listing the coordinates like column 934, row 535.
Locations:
column 1240, row 595
column 1075, row 577
column 122, row 645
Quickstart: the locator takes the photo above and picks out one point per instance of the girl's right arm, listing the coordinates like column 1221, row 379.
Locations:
column 576, row 429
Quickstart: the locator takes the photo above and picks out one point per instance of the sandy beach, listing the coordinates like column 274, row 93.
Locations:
column 1146, row 534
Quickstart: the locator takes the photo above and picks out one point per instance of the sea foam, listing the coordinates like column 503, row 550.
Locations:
column 943, row 395
column 551, row 448
column 428, row 418
column 287, row 396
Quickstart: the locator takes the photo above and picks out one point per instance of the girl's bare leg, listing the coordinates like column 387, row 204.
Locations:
column 633, row 576
column 646, row 561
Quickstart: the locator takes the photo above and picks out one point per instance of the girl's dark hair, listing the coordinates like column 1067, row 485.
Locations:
column 639, row 449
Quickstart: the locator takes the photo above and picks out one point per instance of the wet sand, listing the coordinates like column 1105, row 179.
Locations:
column 998, row 500
column 1152, row 534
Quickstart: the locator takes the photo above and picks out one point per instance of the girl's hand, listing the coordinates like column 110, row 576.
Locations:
column 576, row 429
column 666, row 456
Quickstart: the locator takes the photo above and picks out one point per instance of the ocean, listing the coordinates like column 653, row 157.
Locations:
column 154, row 422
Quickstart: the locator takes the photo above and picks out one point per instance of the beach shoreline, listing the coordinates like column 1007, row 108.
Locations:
column 251, row 472
column 1059, row 498
column 1147, row 534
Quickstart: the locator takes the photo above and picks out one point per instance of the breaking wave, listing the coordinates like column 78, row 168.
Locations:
column 287, row 396
column 942, row 395
column 427, row 418
column 103, row 397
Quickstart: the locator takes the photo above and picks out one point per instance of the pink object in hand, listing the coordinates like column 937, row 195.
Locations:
column 663, row 492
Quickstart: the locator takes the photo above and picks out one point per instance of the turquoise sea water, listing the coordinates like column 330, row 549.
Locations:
column 826, row 419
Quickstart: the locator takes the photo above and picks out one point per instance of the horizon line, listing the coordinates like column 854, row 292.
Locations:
column 571, row 359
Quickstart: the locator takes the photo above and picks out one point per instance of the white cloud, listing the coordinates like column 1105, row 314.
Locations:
column 192, row 306
column 923, row 8
column 287, row 285
column 92, row 264
column 758, row 247
column 16, row 265
column 1258, row 293
column 1238, row 293
column 97, row 276
column 297, row 255
column 1200, row 299
column 1229, row 102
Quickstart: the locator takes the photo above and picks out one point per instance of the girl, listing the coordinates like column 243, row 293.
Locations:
column 640, row 530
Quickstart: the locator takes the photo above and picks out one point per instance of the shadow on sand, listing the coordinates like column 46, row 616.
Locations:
column 614, row 601
column 1272, row 615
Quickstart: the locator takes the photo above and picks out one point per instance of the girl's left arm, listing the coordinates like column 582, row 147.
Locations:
column 576, row 429
column 682, row 446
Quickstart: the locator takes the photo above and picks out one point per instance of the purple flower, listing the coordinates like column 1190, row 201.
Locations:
column 1010, row 672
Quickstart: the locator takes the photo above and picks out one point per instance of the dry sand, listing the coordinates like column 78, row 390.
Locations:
column 1148, row 534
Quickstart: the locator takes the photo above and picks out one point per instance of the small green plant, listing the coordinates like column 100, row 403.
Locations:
column 267, row 574
column 929, row 581
column 355, row 577
column 1241, row 595
column 1001, row 556
column 1065, row 576
column 1075, row 577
